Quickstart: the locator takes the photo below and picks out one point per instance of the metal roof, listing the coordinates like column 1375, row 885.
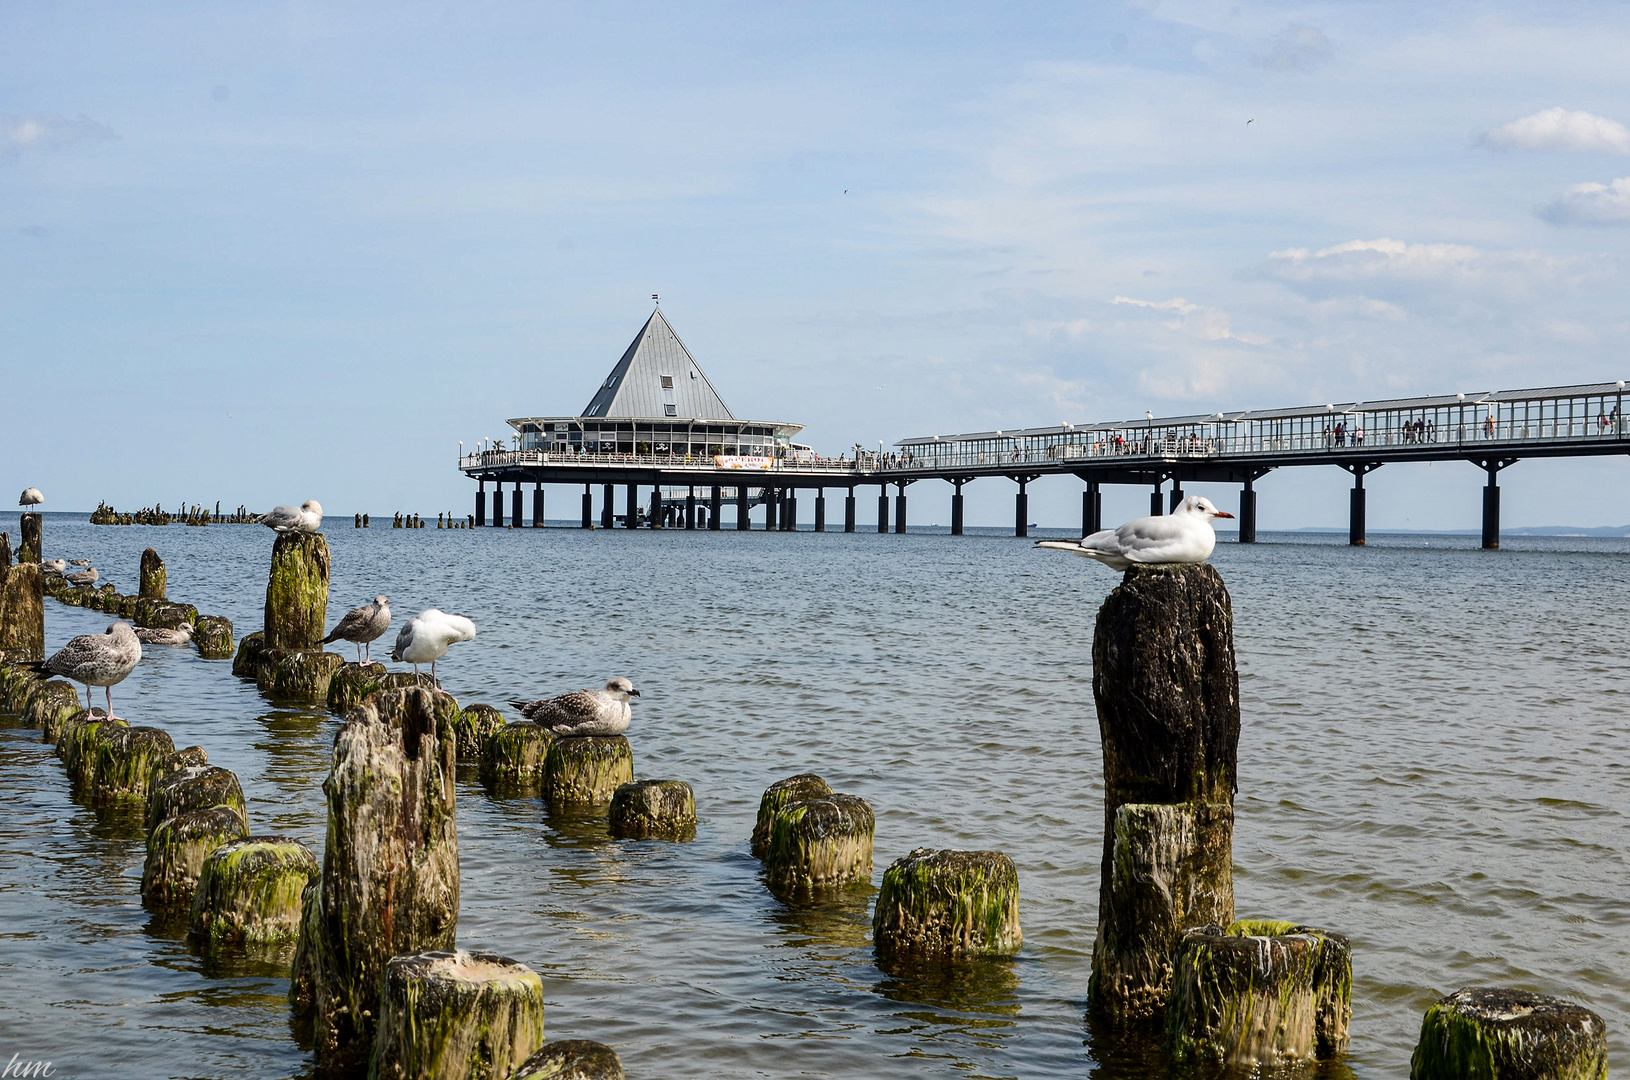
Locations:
column 657, row 373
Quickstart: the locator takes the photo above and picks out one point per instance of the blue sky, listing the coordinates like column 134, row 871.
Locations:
column 265, row 252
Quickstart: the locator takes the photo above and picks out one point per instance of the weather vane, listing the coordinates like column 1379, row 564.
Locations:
column 657, row 298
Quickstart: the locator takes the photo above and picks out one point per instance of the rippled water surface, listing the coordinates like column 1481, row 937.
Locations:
column 1433, row 760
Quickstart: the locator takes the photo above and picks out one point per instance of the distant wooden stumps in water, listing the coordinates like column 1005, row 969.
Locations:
column 938, row 906
column 571, row 1059
column 1496, row 1033
column 819, row 844
column 1259, row 993
column 390, row 882
column 1167, row 693
column 153, row 576
column 653, row 808
column 22, row 603
column 582, row 772
column 456, row 1016
column 249, row 891
column 792, row 789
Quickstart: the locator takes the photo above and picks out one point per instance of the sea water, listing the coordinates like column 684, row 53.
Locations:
column 1432, row 761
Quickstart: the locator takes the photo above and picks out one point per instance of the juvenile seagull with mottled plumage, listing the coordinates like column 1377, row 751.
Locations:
column 152, row 635
column 363, row 625
column 584, row 712
column 97, row 660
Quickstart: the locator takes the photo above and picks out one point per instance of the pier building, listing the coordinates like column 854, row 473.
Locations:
column 656, row 425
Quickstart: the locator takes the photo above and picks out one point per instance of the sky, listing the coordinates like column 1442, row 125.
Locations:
column 263, row 252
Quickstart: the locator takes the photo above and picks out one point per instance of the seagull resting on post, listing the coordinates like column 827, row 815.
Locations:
column 307, row 518
column 30, row 497
column 1183, row 536
column 97, row 660
column 426, row 637
column 362, row 625
column 584, row 712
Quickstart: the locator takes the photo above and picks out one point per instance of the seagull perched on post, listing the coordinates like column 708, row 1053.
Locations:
column 86, row 576
column 31, row 497
column 584, row 712
column 1183, row 536
column 307, row 517
column 426, row 637
column 97, row 660
column 362, row 625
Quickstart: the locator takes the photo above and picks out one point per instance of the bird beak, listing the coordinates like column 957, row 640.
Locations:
column 633, row 693
column 1222, row 513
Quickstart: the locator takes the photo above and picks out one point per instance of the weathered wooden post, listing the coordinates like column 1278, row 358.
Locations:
column 819, row 844
column 476, row 724
column 22, row 604
column 1167, row 693
column 153, row 576
column 792, row 789
column 250, row 890
column 512, row 751
column 51, row 705
column 1497, row 1033
column 572, row 1059
column 212, row 634
column 456, row 1016
column 653, row 808
column 584, row 771
column 29, row 551
column 291, row 660
column 390, row 881
column 937, row 906
column 176, row 851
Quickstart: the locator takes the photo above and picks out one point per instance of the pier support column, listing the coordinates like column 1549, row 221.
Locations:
column 1021, row 508
column 515, row 508
column 498, row 505
column 1355, row 520
column 956, row 508
column 900, row 510
column 1491, row 501
column 588, row 506
column 690, row 509
column 743, row 520
column 537, row 506
column 714, row 504
column 608, row 506
column 656, row 507
column 820, row 509
column 883, row 508
column 772, row 507
column 1177, row 495
column 849, row 512
column 1247, row 513
column 1092, row 509
column 633, row 506
column 789, row 511
column 1157, row 505
column 481, row 503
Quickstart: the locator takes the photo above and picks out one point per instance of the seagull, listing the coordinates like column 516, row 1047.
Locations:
column 31, row 497
column 425, row 638
column 584, row 712
column 362, row 625
column 152, row 636
column 1183, row 536
column 86, row 576
column 1251, row 121
column 286, row 519
column 97, row 660
column 58, row 565
column 79, row 562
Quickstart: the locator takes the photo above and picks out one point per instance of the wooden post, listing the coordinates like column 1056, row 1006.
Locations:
column 937, row 906
column 456, row 1016
column 22, row 606
column 153, row 576
column 1506, row 1034
column 1167, row 693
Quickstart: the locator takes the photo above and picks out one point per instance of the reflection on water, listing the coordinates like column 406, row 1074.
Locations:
column 1431, row 761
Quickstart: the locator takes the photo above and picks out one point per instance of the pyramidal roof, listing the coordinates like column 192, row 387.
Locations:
column 656, row 377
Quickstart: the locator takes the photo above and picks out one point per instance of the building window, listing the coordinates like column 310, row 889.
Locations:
column 668, row 384
column 670, row 410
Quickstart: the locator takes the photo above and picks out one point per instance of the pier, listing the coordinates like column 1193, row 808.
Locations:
column 688, row 472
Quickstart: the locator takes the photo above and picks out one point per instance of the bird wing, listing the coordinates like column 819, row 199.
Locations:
column 1110, row 558
column 355, row 619
column 404, row 640
column 567, row 710
column 1177, row 538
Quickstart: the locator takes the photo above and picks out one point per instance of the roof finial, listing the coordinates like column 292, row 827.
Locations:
column 657, row 298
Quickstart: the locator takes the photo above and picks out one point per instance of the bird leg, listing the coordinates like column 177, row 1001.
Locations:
column 109, row 691
column 88, row 704
column 359, row 655
column 416, row 675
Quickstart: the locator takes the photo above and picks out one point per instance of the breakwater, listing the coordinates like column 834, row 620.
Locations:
column 1393, row 795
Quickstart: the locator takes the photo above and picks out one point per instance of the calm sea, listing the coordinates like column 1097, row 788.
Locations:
column 1433, row 760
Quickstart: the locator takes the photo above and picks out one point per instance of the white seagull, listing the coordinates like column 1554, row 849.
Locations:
column 425, row 638
column 584, row 712
column 1183, row 536
column 97, row 660
column 60, row 566
column 31, row 497
column 307, row 517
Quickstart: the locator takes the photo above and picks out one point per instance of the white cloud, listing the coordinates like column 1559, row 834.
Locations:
column 1591, row 204
column 1559, row 129
column 1207, row 324
column 41, row 131
column 1367, row 267
column 1295, row 48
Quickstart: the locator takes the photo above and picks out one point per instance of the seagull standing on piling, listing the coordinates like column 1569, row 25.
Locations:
column 426, row 637
column 1183, row 536
column 30, row 497
column 86, row 576
column 363, row 625
column 307, row 517
column 97, row 660
column 584, row 712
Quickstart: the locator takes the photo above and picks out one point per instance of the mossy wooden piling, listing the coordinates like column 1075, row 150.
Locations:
column 390, row 882
column 297, row 593
column 779, row 794
column 939, row 906
column 22, row 606
column 644, row 809
column 572, row 1059
column 820, row 844
column 456, row 1016
column 193, row 787
column 583, row 772
column 154, row 578
column 176, row 850
column 250, row 891
column 1500, row 1033
column 1167, row 695
column 351, row 682
column 126, row 760
column 515, row 751
column 212, row 634
column 475, row 725
column 49, row 706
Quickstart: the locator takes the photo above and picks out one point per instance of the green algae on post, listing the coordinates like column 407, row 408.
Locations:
column 49, row 707
column 351, row 683
column 302, row 676
column 572, row 1059
column 511, row 751
column 944, row 905
column 153, row 576
column 125, row 760
column 1499, row 1033
column 250, row 890
column 653, row 808
column 176, row 850
column 819, row 844
column 476, row 724
column 792, row 789
column 212, row 634
column 456, row 1016
column 297, row 592
column 584, row 771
